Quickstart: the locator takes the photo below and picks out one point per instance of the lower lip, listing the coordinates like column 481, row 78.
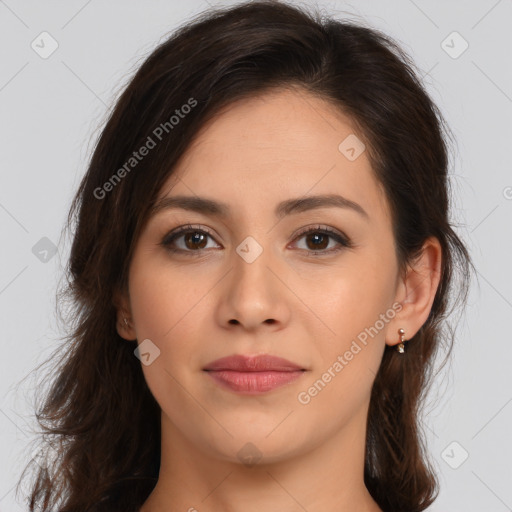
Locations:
column 253, row 383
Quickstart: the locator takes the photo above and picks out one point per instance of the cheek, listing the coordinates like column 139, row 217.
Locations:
column 163, row 297
column 349, row 357
column 353, row 297
column 356, row 304
column 166, row 306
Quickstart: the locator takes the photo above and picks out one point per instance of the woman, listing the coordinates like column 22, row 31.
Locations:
column 261, row 265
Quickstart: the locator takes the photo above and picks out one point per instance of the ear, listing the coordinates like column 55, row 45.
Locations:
column 123, row 311
column 416, row 292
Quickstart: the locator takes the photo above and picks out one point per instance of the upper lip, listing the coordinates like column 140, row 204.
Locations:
column 258, row 363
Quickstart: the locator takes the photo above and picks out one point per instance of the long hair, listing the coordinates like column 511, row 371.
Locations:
column 99, row 418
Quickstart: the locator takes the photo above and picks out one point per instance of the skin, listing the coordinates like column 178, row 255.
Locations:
column 253, row 155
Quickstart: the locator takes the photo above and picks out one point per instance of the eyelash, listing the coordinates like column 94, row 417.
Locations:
column 189, row 228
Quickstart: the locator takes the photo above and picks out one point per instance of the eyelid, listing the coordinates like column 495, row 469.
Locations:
column 185, row 228
column 321, row 228
column 343, row 241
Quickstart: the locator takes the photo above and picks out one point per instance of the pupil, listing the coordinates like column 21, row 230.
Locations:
column 319, row 246
column 194, row 236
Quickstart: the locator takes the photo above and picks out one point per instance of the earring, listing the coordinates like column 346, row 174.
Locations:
column 401, row 347
column 127, row 325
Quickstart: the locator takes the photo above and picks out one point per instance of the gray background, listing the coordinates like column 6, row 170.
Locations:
column 50, row 111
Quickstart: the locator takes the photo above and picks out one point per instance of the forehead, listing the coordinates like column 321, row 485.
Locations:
column 281, row 144
column 276, row 122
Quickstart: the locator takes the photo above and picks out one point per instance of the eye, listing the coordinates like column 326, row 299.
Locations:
column 195, row 239
column 317, row 240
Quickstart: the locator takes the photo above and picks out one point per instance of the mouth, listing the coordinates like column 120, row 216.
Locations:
column 253, row 374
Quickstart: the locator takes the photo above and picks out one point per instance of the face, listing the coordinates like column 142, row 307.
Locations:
column 313, row 282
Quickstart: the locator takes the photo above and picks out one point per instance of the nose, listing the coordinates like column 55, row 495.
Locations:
column 254, row 295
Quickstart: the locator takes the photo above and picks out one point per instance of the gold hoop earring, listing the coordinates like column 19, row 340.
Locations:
column 401, row 346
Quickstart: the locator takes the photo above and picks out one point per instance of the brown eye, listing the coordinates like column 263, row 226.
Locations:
column 187, row 239
column 318, row 238
column 195, row 240
column 318, row 241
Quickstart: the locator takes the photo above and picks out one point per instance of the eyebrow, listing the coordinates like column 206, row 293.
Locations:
column 284, row 208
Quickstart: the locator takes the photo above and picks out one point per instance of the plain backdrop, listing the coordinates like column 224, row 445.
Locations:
column 52, row 107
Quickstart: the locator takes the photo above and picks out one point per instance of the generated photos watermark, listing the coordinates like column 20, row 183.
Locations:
column 137, row 156
column 304, row 397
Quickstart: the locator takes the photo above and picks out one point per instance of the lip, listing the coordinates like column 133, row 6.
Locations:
column 257, row 363
column 253, row 374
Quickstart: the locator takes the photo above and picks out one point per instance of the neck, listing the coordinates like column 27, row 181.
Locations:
column 328, row 478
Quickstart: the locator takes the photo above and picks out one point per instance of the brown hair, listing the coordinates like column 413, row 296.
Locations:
column 99, row 415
